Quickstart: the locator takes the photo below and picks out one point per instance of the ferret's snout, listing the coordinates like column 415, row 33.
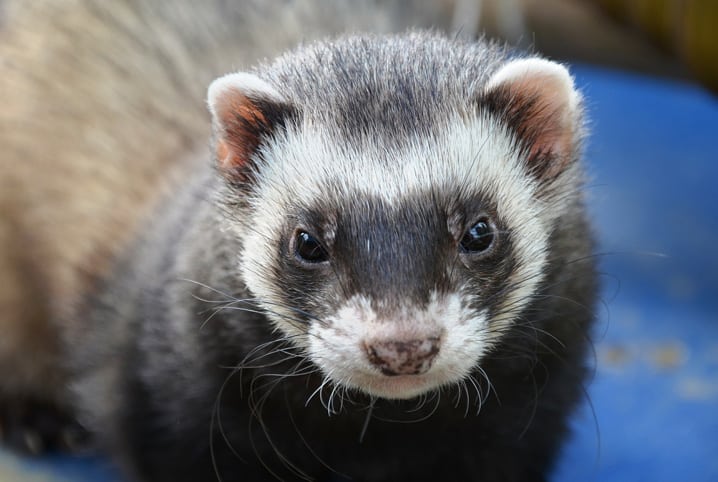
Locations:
column 406, row 357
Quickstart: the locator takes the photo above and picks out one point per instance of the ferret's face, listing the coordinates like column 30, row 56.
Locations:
column 396, row 271
column 397, row 266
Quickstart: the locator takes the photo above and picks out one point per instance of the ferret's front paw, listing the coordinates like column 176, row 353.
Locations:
column 33, row 427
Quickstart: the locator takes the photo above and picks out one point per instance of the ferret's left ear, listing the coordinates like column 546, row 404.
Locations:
column 537, row 99
column 246, row 111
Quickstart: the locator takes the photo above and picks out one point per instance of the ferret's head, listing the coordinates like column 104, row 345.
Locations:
column 395, row 199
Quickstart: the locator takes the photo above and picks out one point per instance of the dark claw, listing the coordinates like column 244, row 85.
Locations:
column 32, row 427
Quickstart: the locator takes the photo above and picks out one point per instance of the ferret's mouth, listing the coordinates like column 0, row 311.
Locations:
column 397, row 387
column 399, row 357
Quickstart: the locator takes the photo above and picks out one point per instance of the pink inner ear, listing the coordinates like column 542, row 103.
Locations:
column 553, row 132
column 542, row 108
column 240, row 121
column 224, row 156
column 551, row 115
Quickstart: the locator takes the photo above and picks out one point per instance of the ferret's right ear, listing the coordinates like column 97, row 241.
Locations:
column 246, row 111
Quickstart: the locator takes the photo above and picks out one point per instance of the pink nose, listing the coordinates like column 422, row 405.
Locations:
column 412, row 357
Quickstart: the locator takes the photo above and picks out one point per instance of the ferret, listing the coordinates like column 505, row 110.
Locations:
column 382, row 270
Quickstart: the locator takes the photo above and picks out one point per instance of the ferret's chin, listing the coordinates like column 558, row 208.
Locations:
column 399, row 387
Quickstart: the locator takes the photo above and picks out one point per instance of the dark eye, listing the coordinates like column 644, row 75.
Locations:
column 308, row 248
column 478, row 238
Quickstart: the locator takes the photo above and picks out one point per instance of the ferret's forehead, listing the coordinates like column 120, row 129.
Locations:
column 393, row 88
column 468, row 158
column 388, row 117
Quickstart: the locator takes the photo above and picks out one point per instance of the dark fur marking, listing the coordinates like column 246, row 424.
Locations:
column 394, row 254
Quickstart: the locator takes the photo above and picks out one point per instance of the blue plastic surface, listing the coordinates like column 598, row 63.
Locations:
column 653, row 160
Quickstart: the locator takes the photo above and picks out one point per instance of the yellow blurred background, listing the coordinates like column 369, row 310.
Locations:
column 675, row 38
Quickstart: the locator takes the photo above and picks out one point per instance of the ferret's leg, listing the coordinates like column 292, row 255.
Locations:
column 32, row 427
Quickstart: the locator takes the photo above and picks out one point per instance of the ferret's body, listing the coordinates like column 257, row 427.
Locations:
column 385, row 274
column 170, row 390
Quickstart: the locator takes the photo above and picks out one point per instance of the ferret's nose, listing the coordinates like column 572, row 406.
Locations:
column 412, row 357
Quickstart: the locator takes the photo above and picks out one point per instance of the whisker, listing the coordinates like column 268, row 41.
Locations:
column 306, row 444
column 369, row 413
